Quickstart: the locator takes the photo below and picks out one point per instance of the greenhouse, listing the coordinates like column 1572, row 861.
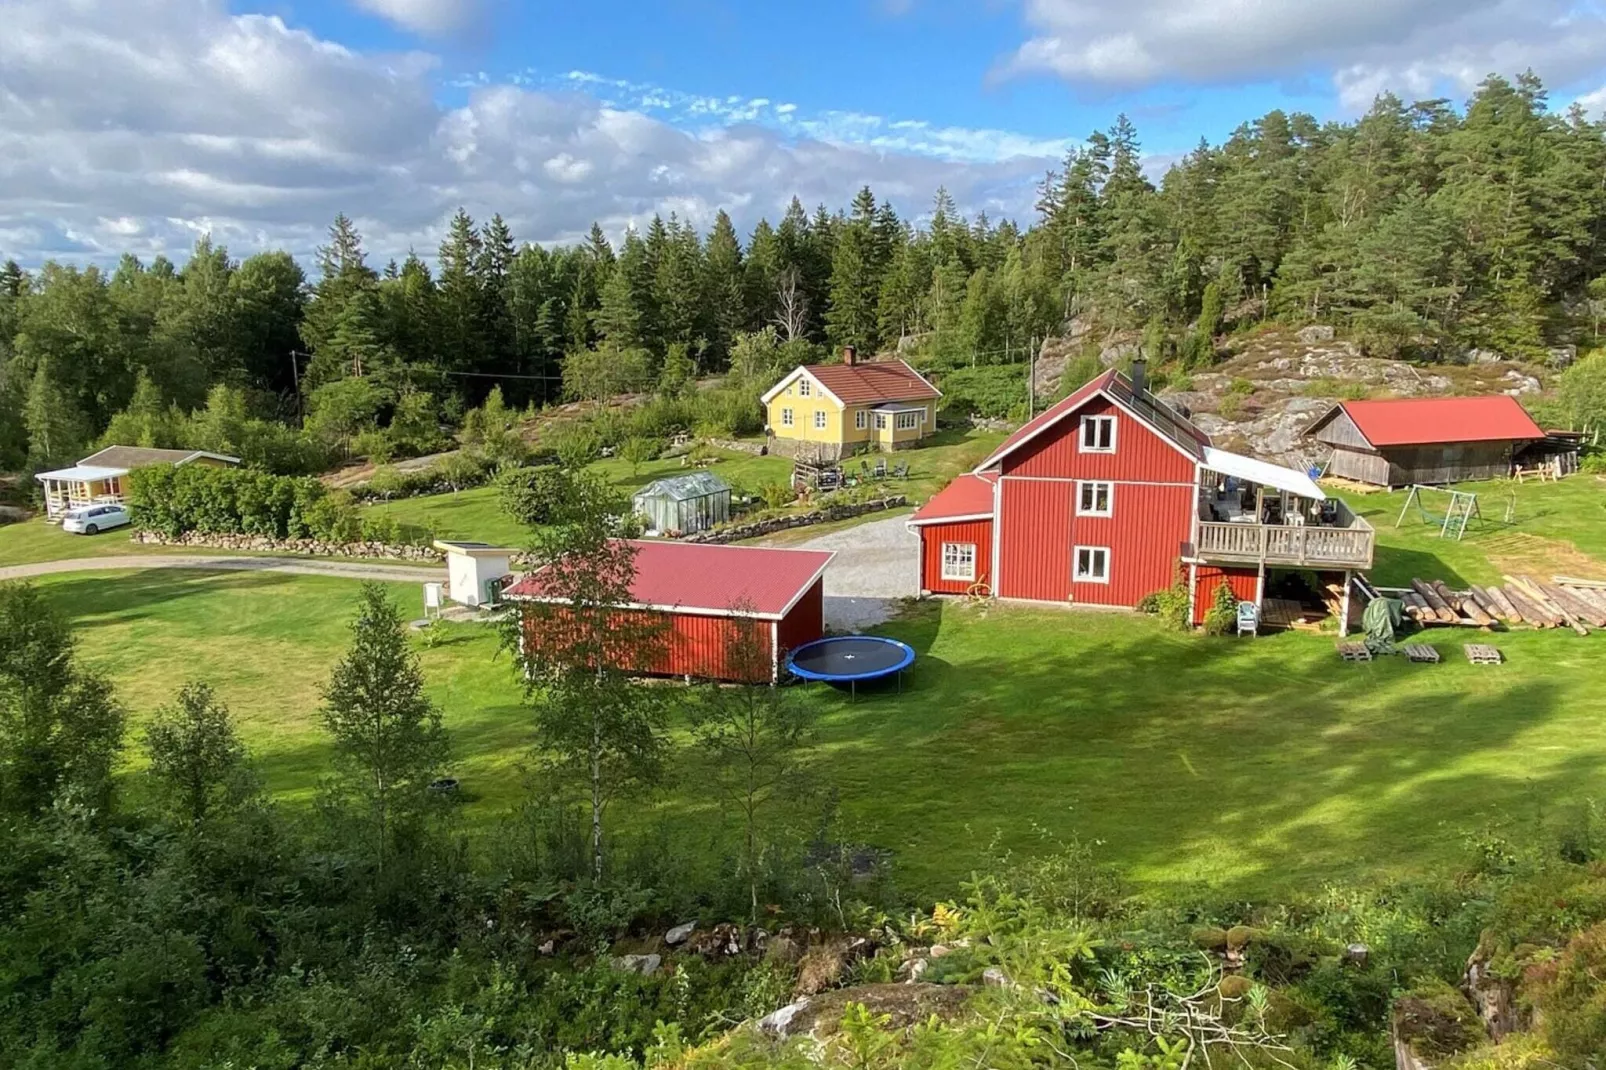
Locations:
column 681, row 505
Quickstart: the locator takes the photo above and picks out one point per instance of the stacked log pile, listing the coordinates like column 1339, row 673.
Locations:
column 1564, row 602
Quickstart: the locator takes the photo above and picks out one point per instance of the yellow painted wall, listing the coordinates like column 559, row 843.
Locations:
column 840, row 425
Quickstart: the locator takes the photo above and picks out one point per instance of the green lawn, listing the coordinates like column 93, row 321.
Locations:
column 28, row 541
column 476, row 514
column 1249, row 766
column 1555, row 527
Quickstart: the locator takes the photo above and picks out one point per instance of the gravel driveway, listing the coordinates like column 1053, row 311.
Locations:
column 876, row 564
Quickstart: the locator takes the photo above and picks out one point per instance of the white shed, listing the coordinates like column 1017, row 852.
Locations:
column 475, row 571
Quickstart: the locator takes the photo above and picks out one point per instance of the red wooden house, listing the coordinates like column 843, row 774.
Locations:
column 1101, row 499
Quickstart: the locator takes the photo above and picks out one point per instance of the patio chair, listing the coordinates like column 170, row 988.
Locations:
column 881, row 468
column 901, row 471
column 1248, row 618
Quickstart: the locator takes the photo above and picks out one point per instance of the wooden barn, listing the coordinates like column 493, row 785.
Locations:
column 1110, row 496
column 1399, row 442
column 708, row 599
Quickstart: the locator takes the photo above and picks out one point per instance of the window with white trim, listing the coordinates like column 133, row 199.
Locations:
column 959, row 561
column 803, row 388
column 861, row 419
column 1092, row 564
column 908, row 421
column 786, row 417
column 819, row 419
column 880, row 421
column 1098, row 434
column 1095, row 498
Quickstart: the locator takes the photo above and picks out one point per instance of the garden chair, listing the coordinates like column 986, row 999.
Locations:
column 901, row 471
column 881, row 468
column 1248, row 618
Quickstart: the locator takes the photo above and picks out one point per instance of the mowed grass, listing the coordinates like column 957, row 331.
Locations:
column 1248, row 766
column 28, row 542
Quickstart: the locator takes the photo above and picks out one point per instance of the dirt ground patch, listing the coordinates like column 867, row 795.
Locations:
column 1519, row 553
column 876, row 566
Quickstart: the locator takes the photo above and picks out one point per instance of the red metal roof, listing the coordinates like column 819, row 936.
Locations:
column 709, row 578
column 1426, row 421
column 970, row 495
column 857, row 384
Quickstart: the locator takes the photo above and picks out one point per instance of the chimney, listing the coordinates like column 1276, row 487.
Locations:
column 850, row 356
column 1140, row 377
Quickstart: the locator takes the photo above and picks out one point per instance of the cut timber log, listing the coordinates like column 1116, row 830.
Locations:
column 1499, row 598
column 1417, row 609
column 1531, row 587
column 1441, row 610
column 1487, row 604
column 1527, row 610
column 1534, row 595
column 1578, row 607
column 1464, row 604
column 1588, row 595
column 1573, row 581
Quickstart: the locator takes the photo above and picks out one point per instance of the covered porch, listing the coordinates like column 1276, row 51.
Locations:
column 69, row 488
column 894, row 426
column 1254, row 512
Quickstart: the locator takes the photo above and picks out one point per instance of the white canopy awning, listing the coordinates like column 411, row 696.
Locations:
column 83, row 473
column 1263, row 472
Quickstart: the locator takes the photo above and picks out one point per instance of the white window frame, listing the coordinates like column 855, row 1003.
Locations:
column 1083, row 486
column 1078, row 576
column 1093, row 422
column 819, row 419
column 880, row 421
column 907, row 421
column 861, row 419
column 959, row 561
column 786, row 417
column 803, row 388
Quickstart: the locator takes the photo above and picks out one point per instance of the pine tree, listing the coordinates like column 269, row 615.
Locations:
column 761, row 275
column 57, row 428
column 460, row 298
column 725, row 288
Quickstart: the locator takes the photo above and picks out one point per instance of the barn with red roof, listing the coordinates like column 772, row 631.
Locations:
column 1402, row 441
column 1110, row 495
column 710, row 599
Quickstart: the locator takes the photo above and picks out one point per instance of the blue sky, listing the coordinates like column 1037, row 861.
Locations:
column 141, row 125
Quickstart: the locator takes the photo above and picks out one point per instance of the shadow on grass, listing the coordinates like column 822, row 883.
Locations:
column 93, row 602
column 1396, row 566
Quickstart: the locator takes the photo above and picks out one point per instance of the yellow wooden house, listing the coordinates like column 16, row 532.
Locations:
column 99, row 478
column 883, row 405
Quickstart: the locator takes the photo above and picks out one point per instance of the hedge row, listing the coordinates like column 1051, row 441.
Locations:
column 247, row 501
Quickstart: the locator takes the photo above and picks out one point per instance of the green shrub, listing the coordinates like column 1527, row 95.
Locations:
column 1222, row 616
column 1170, row 605
column 993, row 391
column 238, row 501
column 1240, row 388
column 532, row 496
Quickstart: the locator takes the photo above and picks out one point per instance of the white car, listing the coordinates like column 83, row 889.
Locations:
column 94, row 519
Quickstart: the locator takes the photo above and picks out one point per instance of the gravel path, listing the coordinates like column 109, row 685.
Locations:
column 876, row 565
column 295, row 566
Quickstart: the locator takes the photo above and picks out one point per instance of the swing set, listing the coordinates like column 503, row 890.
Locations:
column 1462, row 509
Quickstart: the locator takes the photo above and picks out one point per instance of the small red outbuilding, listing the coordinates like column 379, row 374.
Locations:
column 708, row 597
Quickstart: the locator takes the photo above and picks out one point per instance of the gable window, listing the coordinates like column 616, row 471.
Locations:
column 959, row 561
column 819, row 419
column 1095, row 498
column 803, row 387
column 1092, row 564
column 1098, row 434
column 908, row 421
column 786, row 417
column 861, row 419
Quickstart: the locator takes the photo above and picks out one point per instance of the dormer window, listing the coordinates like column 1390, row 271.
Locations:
column 1098, row 434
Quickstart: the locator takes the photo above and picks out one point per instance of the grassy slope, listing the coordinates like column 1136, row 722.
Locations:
column 30, row 541
column 1246, row 765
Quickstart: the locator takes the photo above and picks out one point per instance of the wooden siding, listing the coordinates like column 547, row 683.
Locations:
column 806, row 621
column 932, row 536
column 1139, row 455
column 1453, row 463
column 1144, row 535
column 1034, row 547
column 1340, row 430
column 1358, row 464
column 1244, row 583
column 693, row 644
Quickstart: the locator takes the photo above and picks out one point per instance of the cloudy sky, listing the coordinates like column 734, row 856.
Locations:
column 140, row 124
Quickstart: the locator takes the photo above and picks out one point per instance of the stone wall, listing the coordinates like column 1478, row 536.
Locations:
column 757, row 449
column 315, row 547
column 757, row 528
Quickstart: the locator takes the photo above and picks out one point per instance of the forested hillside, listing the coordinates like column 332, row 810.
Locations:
column 1422, row 229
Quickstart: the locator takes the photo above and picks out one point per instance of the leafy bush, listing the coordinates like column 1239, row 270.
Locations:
column 454, row 472
column 532, row 496
column 1222, row 616
column 1170, row 605
column 995, row 391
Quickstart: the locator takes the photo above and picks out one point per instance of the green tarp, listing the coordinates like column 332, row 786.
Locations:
column 1381, row 621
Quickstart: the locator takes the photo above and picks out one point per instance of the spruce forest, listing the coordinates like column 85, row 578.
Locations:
column 1421, row 229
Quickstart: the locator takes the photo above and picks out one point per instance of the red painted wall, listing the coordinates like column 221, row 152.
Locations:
column 1243, row 582
column 806, row 622
column 1144, row 537
column 1140, row 454
column 697, row 645
column 932, row 536
column 1034, row 544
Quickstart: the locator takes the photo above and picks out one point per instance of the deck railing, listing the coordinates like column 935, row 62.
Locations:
column 1348, row 544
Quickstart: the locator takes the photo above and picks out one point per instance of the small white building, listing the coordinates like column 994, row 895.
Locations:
column 475, row 571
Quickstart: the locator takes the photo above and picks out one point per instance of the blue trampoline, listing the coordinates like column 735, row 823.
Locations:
column 851, row 659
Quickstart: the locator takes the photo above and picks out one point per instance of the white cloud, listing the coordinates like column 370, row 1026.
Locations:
column 1414, row 46
column 199, row 120
column 429, row 17
column 1594, row 102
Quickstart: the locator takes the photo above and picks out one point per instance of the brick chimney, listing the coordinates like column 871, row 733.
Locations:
column 850, row 356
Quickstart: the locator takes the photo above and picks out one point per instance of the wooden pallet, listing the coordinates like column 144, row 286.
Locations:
column 1482, row 654
column 1354, row 652
column 1421, row 652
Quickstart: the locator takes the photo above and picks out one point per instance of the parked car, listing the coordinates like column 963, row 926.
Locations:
column 94, row 519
